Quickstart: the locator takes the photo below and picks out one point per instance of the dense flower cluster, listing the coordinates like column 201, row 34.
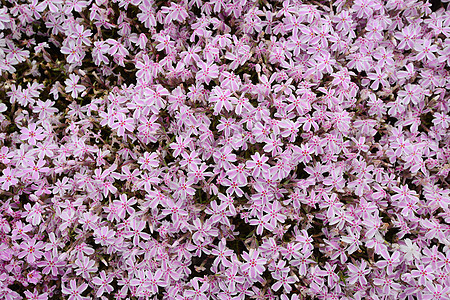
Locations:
column 224, row 149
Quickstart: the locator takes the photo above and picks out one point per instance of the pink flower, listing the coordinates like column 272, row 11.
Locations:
column 137, row 231
column 175, row 12
column 254, row 265
column 34, row 214
column 389, row 262
column 31, row 250
column 82, row 35
column 404, row 193
column 34, row 277
column 257, row 164
column 190, row 56
column 424, row 274
column 274, row 214
column 154, row 281
column 231, row 81
column 146, row 69
column 222, row 99
column 190, row 160
column 8, row 178
column 261, row 224
column 364, row 8
column 436, row 292
column 425, row 50
column 378, row 77
column 330, row 273
column 85, row 266
column 32, row 134
column 122, row 123
column 358, row 273
column 283, row 279
column 75, row 291
column 302, row 261
column 16, row 53
column 164, row 43
column 51, row 263
column 180, row 144
column 207, row 72
column 34, row 169
column 36, row 295
column 441, row 120
column 99, row 51
column 198, row 291
column 104, row 236
column 72, row 85
column 5, row 155
column 103, row 282
column 147, row 14
column 125, row 206
column 238, row 174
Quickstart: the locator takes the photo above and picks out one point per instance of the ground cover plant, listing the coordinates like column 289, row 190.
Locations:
column 244, row 149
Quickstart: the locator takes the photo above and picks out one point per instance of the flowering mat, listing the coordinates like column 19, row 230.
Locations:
column 244, row 149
